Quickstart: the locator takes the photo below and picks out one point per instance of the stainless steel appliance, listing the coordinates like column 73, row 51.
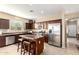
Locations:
column 54, row 34
column 10, row 40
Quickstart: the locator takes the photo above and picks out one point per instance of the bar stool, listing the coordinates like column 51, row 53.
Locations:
column 20, row 43
column 28, row 47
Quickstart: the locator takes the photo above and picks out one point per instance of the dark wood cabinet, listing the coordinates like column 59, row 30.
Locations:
column 4, row 24
column 39, row 45
column 2, row 41
column 44, row 24
column 46, row 38
column 30, row 25
column 16, row 38
column 77, row 36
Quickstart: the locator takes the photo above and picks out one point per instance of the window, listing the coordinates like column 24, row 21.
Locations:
column 15, row 25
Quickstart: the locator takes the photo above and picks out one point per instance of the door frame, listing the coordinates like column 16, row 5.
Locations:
column 66, row 36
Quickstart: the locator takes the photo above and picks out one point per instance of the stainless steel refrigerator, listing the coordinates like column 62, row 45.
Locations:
column 54, row 34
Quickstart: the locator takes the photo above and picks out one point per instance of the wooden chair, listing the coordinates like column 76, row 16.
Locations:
column 28, row 47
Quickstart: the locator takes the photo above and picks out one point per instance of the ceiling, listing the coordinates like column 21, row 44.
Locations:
column 31, row 11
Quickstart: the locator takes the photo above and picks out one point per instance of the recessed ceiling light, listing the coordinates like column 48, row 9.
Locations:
column 42, row 11
column 31, row 10
column 66, row 19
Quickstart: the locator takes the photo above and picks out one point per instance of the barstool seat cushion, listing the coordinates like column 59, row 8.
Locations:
column 25, row 42
column 20, row 39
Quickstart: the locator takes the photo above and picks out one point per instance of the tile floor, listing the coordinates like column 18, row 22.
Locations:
column 73, row 49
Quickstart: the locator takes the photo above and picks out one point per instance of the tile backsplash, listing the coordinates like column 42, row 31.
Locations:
column 10, row 31
column 3, row 30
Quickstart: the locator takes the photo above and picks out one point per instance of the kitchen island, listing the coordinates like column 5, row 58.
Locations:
column 39, row 42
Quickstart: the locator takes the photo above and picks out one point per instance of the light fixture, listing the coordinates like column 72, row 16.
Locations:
column 66, row 19
column 31, row 10
column 42, row 12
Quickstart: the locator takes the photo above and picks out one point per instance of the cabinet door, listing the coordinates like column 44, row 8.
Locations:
column 39, row 45
column 46, row 38
column 31, row 25
column 4, row 24
column 44, row 25
column 2, row 41
column 27, row 25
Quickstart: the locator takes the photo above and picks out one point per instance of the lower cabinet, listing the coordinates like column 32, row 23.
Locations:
column 2, row 41
column 6, row 40
column 46, row 38
column 16, row 38
column 39, row 45
column 77, row 36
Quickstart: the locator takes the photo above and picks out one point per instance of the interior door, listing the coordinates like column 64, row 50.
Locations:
column 72, row 29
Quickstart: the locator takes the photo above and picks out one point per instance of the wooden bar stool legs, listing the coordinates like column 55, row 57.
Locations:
column 21, row 47
column 26, row 50
column 28, row 47
column 20, row 44
column 18, row 47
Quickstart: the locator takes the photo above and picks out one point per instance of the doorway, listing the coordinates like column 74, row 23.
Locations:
column 71, row 30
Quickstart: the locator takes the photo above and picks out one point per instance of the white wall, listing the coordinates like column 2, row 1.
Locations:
column 12, row 17
column 78, row 26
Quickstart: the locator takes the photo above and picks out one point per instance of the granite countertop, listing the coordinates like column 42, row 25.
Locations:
column 11, row 34
column 31, row 36
column 8, row 34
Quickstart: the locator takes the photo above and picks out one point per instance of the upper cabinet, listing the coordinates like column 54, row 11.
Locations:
column 30, row 25
column 4, row 24
column 44, row 24
column 41, row 25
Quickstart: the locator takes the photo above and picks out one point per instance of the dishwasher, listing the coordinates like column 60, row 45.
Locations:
column 10, row 40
